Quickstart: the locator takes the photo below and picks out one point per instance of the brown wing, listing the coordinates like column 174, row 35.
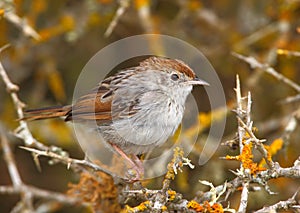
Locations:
column 95, row 105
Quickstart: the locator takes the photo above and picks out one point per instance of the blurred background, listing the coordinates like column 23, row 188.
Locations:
column 46, row 62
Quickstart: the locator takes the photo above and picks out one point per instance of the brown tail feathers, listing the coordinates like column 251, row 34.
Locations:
column 47, row 112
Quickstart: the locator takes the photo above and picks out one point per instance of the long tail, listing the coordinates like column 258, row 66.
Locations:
column 47, row 112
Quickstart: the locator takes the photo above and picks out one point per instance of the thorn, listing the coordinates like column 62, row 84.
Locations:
column 37, row 162
column 69, row 165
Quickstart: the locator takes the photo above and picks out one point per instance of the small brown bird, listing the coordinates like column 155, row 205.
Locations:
column 136, row 109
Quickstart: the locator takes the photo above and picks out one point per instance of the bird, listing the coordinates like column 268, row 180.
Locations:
column 136, row 109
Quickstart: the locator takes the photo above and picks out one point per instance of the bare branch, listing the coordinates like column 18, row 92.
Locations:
column 22, row 131
column 239, row 111
column 27, row 192
column 291, row 99
column 244, row 198
column 288, row 52
column 22, row 24
column 287, row 204
column 10, row 161
column 270, row 70
column 69, row 161
column 123, row 5
column 40, row 193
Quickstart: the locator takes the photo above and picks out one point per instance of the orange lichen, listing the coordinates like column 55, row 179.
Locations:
column 195, row 206
column 194, row 5
column 140, row 208
column 272, row 150
column 171, row 194
column 141, row 3
column 246, row 158
column 100, row 192
column 164, row 209
column 217, row 208
column 67, row 23
column 206, row 207
column 282, row 52
column 2, row 11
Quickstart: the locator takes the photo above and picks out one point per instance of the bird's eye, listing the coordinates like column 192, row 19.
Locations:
column 174, row 77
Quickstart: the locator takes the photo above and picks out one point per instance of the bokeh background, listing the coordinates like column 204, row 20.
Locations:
column 46, row 67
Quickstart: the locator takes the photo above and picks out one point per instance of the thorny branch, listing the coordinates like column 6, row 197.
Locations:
column 249, row 171
column 28, row 193
column 69, row 161
column 242, row 114
column 22, row 131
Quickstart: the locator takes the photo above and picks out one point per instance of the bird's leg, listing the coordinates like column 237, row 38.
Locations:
column 139, row 164
column 136, row 163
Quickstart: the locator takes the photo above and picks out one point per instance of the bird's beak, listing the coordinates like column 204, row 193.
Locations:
column 198, row 81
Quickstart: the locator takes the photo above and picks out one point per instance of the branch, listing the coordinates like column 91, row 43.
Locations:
column 10, row 161
column 244, row 198
column 14, row 173
column 291, row 203
column 270, row 70
column 22, row 131
column 69, row 161
column 288, row 52
column 241, row 113
column 165, row 198
column 40, row 193
column 27, row 192
column 22, row 24
column 123, row 5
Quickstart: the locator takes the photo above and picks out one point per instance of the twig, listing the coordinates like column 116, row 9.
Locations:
column 278, row 171
column 68, row 161
column 291, row 203
column 123, row 5
column 244, row 198
column 143, row 9
column 10, row 161
column 22, row 24
column 258, row 143
column 288, row 52
column 14, row 173
column 27, row 192
column 291, row 99
column 241, row 113
column 40, row 193
column 257, row 35
column 270, row 70
column 156, row 200
column 22, row 131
